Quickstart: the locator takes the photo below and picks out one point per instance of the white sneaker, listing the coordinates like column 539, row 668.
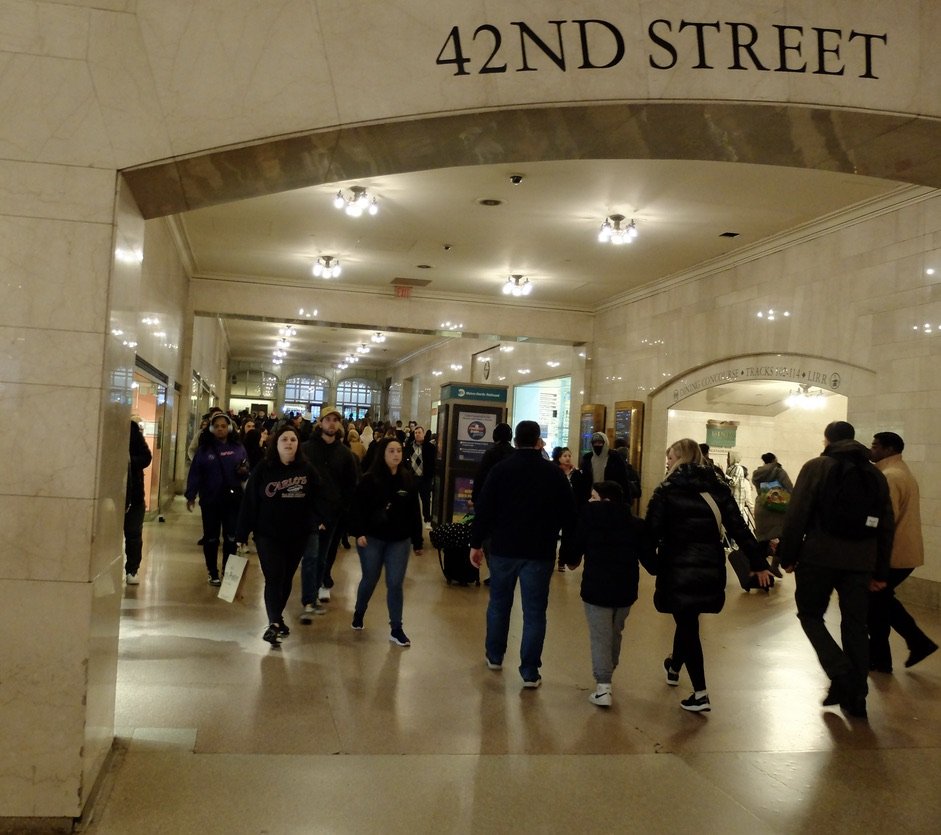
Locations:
column 324, row 594
column 132, row 579
column 601, row 696
column 310, row 610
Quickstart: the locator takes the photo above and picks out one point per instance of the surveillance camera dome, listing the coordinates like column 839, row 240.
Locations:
column 516, row 179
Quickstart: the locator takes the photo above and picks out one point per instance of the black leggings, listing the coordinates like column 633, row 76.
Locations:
column 687, row 648
column 279, row 560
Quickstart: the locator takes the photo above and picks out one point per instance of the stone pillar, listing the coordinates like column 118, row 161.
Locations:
column 68, row 279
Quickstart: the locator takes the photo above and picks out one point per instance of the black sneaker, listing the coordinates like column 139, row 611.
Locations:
column 272, row 635
column 673, row 676
column 215, row 581
column 399, row 638
column 283, row 629
column 700, row 705
column 357, row 621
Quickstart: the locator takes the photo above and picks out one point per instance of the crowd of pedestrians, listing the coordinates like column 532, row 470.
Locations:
column 850, row 523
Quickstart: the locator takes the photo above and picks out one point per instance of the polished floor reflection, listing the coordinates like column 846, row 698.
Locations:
column 341, row 731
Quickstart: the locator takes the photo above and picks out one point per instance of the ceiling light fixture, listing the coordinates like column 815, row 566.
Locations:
column 378, row 337
column 452, row 326
column 326, row 266
column 363, row 349
column 771, row 314
column 287, row 330
column 356, row 202
column 307, row 313
column 517, row 285
column 456, row 366
column 552, row 363
column 804, row 398
column 614, row 233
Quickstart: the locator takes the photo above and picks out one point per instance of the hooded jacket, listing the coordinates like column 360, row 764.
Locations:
column 216, row 469
column 803, row 538
column 612, row 540
column 768, row 523
column 610, row 464
column 684, row 535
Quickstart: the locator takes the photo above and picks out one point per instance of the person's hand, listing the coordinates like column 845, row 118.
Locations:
column 477, row 557
column 774, row 545
column 877, row 585
column 361, row 541
column 322, row 527
column 788, row 569
column 190, row 504
column 763, row 578
column 418, row 551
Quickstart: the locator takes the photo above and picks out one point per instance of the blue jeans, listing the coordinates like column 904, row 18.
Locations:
column 313, row 565
column 534, row 577
column 394, row 556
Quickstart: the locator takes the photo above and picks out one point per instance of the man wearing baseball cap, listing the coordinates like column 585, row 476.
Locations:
column 336, row 466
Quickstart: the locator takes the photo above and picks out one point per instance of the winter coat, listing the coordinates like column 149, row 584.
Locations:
column 336, row 465
column 684, row 536
column 387, row 508
column 615, row 469
column 493, row 455
column 612, row 540
column 768, row 523
column 525, row 502
column 804, row 539
column 908, row 547
column 140, row 458
column 217, row 471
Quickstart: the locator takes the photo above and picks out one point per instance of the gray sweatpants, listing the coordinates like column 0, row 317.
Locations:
column 605, row 626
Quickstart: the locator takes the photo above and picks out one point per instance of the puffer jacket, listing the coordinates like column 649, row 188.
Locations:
column 683, row 533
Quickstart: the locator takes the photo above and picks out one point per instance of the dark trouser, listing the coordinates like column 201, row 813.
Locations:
column 133, row 537
column 687, row 648
column 887, row 613
column 424, row 493
column 336, row 534
column 223, row 514
column 848, row 666
column 279, row 560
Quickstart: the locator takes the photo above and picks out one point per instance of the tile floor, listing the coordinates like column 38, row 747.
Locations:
column 342, row 732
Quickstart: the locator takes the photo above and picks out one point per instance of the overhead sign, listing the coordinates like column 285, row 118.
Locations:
column 488, row 394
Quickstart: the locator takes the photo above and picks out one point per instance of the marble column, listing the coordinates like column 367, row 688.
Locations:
column 68, row 279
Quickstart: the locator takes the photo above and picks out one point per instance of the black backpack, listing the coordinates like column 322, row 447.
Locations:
column 852, row 499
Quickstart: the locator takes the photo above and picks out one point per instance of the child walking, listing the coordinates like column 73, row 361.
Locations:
column 611, row 538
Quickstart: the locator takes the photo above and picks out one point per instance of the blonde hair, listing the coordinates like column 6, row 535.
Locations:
column 687, row 451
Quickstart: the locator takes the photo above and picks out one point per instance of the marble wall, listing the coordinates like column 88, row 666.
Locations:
column 866, row 296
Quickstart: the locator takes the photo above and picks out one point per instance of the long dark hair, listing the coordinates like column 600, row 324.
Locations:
column 271, row 449
column 380, row 470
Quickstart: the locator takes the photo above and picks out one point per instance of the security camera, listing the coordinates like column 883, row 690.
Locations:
column 516, row 179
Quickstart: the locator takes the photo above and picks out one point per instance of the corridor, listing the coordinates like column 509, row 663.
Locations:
column 340, row 731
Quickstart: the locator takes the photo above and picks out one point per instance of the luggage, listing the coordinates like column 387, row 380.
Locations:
column 456, row 565
column 452, row 540
column 742, row 569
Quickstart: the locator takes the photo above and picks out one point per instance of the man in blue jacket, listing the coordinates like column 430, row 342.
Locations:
column 524, row 503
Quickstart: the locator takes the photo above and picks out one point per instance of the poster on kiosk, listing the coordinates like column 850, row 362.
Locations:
column 467, row 416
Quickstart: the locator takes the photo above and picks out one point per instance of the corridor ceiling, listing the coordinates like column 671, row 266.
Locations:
column 435, row 232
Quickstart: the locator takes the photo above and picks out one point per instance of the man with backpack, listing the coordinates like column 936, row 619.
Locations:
column 837, row 535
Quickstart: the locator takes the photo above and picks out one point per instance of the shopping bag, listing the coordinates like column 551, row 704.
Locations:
column 235, row 568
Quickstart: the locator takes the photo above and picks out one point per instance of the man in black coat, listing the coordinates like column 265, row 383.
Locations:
column 524, row 502
column 134, row 506
column 601, row 464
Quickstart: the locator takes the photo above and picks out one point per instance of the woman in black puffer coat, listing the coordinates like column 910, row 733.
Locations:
column 683, row 531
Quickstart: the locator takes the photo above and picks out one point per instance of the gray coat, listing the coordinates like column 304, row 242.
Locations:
column 768, row 523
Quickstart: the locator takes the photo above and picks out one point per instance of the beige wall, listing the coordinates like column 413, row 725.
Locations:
column 90, row 87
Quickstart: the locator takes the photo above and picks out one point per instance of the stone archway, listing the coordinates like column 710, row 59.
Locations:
column 852, row 381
